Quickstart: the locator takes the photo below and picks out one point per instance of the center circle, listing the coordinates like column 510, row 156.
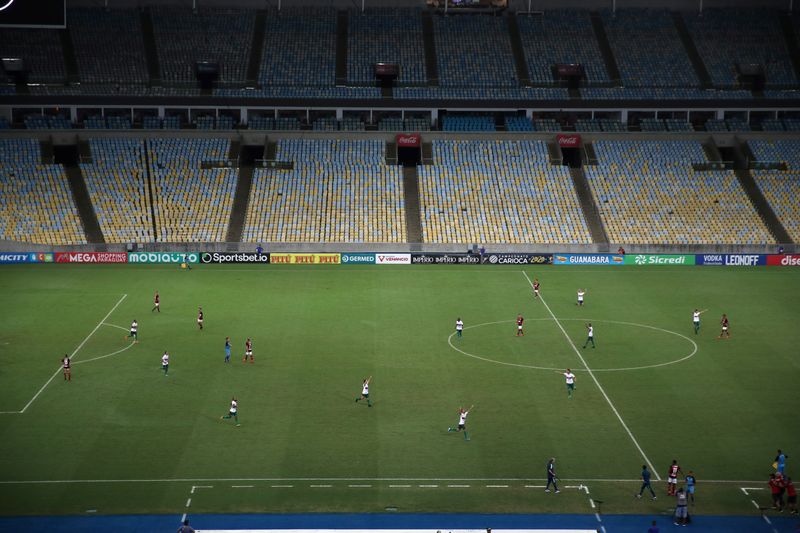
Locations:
column 535, row 367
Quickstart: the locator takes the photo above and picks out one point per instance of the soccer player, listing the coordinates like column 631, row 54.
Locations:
column 186, row 528
column 227, row 349
column 165, row 363
column 200, row 317
column 462, row 421
column 459, row 327
column 66, row 364
column 590, row 333
column 776, row 488
column 780, row 462
column 570, row 378
column 672, row 477
column 233, row 412
column 365, row 392
column 248, row 351
column 551, row 475
column 724, row 324
column 696, row 319
column 791, row 496
column 536, row 287
column 520, row 321
column 156, row 303
column 645, row 475
column 581, row 293
column 134, row 331
column 690, row 483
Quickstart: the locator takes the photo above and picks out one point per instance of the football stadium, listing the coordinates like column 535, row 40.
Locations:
column 399, row 265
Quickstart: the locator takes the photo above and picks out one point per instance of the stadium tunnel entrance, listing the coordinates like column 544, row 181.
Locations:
column 409, row 156
column 571, row 156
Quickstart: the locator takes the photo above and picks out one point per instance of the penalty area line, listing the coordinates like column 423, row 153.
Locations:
column 596, row 382
column 84, row 341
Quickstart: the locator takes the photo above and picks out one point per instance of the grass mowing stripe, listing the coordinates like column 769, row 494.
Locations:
column 596, row 382
column 74, row 352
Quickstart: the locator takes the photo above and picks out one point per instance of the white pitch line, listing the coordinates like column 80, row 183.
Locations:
column 320, row 486
column 115, row 326
column 241, row 486
column 496, row 486
column 281, row 486
column 535, row 486
column 188, row 502
column 597, row 515
column 591, row 502
column 428, row 486
column 104, row 356
column 767, row 520
column 755, row 504
column 338, row 479
column 183, row 517
column 399, row 486
column 458, row 486
column 596, row 382
column 359, row 486
column 73, row 353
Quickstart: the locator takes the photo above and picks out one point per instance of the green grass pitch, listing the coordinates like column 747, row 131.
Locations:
column 122, row 438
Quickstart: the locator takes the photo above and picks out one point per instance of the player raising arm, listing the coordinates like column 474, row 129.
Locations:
column 462, row 421
column 570, row 379
column 696, row 319
column 365, row 392
column 581, row 294
column 590, row 335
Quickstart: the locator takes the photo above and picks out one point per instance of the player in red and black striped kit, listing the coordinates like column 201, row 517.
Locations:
column 536, row 287
column 67, row 370
column 672, row 477
column 724, row 323
column 156, row 303
column 520, row 320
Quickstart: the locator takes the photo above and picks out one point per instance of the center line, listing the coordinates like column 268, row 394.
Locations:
column 594, row 378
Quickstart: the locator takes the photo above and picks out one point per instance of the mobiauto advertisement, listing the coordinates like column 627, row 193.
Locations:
column 588, row 259
column 305, row 259
column 163, row 257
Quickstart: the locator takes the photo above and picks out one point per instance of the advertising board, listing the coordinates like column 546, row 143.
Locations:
column 659, row 259
column 163, row 257
column 445, row 259
column 392, row 259
column 91, row 257
column 305, row 259
column 234, row 257
column 784, row 260
column 518, row 259
column 731, row 259
column 588, row 259
column 358, row 259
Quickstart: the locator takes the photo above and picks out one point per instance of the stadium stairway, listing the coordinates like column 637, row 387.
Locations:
column 590, row 211
column 150, row 192
column 150, row 51
column 247, row 156
column 760, row 203
column 341, row 48
column 790, row 36
column 68, row 156
column 256, row 48
column 271, row 151
column 431, row 66
column 411, row 193
column 605, row 49
column 427, row 153
column 694, row 56
column 70, row 63
column 46, row 149
column 518, row 51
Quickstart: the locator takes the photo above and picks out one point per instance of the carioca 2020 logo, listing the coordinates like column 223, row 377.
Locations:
column 4, row 4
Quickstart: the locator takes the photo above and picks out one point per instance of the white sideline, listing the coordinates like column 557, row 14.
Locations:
column 338, row 480
column 73, row 353
column 596, row 382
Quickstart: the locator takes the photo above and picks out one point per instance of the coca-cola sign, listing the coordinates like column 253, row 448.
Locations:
column 568, row 140
column 408, row 140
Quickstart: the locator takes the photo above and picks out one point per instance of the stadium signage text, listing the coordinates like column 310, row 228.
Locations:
column 91, row 257
column 568, row 140
column 445, row 259
column 519, row 259
column 732, row 259
column 588, row 259
column 358, row 259
column 163, row 257
column 659, row 259
column 408, row 140
column 234, row 257
column 32, row 257
column 392, row 259
column 784, row 260
column 305, row 259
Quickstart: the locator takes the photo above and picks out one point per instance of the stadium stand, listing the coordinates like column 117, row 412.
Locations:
column 44, row 122
column 338, row 191
column 191, row 204
column 299, row 48
column 109, row 46
column 41, row 50
column 686, row 206
column 474, row 50
column 517, row 123
column 481, row 93
column 36, row 203
column 662, row 93
column 648, row 49
column 215, row 34
column 117, row 183
column 388, row 36
column 498, row 192
column 781, row 188
column 560, row 36
column 758, row 40
column 468, row 123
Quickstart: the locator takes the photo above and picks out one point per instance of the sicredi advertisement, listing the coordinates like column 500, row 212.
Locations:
column 659, row 259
